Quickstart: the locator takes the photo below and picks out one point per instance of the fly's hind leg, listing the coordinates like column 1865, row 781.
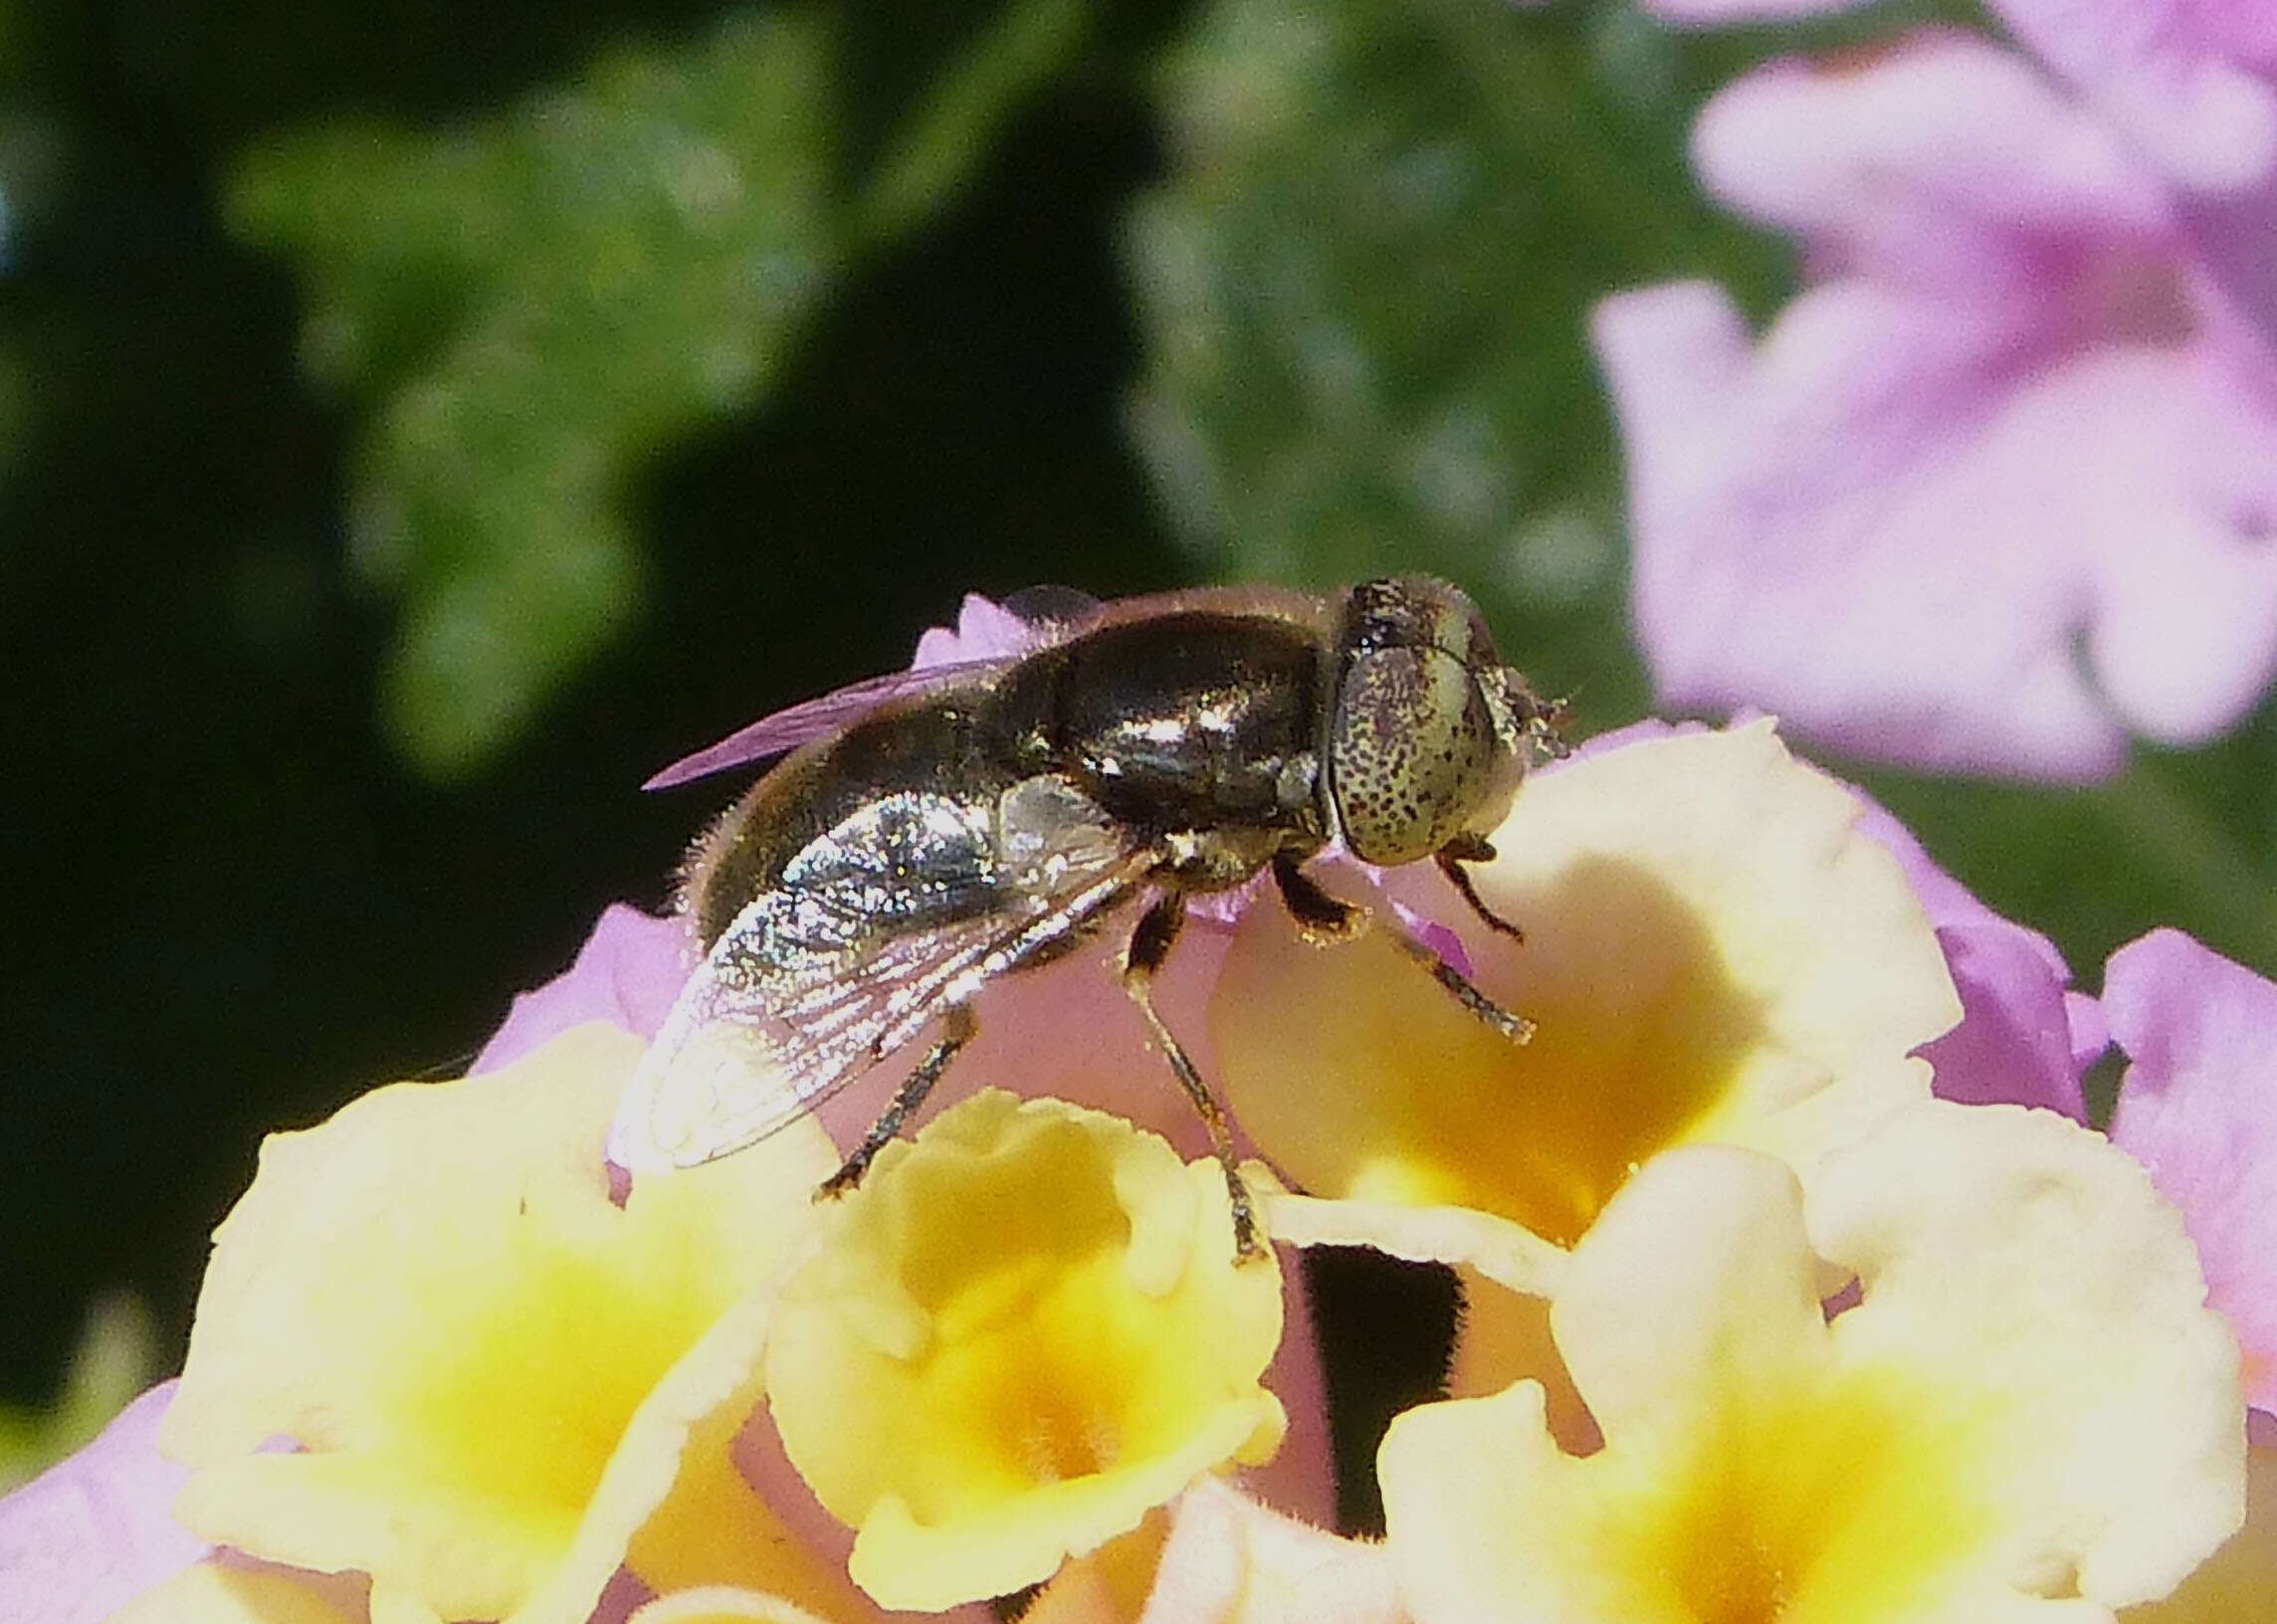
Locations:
column 958, row 1030
column 1150, row 942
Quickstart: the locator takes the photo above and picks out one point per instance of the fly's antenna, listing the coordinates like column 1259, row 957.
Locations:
column 1542, row 722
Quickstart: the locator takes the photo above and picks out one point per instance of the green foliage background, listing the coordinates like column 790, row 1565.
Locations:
column 417, row 423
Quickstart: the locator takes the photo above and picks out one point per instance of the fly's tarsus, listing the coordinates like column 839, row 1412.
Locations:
column 1150, row 942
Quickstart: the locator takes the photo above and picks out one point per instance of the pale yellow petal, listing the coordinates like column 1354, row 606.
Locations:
column 435, row 1296
column 1713, row 954
column 1230, row 1560
column 2021, row 1255
column 1732, row 1289
column 1513, row 1258
column 1024, row 1330
column 215, row 1592
column 2237, row 1584
column 2026, row 1414
column 723, row 1604
column 1109, row 1584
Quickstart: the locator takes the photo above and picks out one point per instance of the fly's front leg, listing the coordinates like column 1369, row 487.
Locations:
column 1150, row 942
column 1509, row 1023
column 957, row 1029
column 1316, row 912
column 1472, row 849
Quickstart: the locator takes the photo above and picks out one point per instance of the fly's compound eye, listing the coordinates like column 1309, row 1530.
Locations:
column 1412, row 753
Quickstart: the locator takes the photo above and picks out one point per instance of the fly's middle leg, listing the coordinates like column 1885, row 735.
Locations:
column 1150, row 942
column 958, row 1030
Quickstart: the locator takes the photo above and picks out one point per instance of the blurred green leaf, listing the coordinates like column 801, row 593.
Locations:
column 935, row 147
column 117, row 1358
column 1366, row 288
column 536, row 306
column 540, row 304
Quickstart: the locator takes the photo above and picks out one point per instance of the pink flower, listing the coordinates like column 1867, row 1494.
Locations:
column 2194, row 82
column 2025, row 1036
column 2193, row 86
column 2199, row 1107
column 85, row 1537
column 627, row 973
column 2012, row 422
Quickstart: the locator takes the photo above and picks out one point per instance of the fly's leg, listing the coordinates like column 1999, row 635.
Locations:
column 1320, row 915
column 1509, row 1023
column 958, row 1030
column 1150, row 942
column 1472, row 849
column 1317, row 911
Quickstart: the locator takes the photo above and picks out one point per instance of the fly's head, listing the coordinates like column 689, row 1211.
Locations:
column 1428, row 732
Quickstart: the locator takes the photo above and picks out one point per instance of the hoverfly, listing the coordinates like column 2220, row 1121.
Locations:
column 936, row 829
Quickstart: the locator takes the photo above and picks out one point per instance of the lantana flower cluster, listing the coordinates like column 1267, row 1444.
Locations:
column 1996, row 490
column 1797, row 1286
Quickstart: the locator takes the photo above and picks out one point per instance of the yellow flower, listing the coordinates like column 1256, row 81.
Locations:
column 504, row 1385
column 211, row 1592
column 2238, row 1583
column 1713, row 954
column 722, row 1604
column 1223, row 1558
column 1023, row 1331
column 2029, row 1411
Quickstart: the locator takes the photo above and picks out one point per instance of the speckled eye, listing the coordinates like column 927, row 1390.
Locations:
column 1411, row 747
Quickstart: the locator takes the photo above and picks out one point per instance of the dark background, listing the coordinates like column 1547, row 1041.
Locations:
column 232, row 904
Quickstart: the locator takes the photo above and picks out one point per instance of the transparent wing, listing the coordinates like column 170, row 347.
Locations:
column 767, row 1029
column 1029, row 619
column 809, row 719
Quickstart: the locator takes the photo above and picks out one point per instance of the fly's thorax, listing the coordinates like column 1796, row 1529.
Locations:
column 1421, row 739
column 1196, row 720
column 1220, row 859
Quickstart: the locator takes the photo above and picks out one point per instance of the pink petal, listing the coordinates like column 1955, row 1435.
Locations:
column 1933, row 159
column 2090, row 1030
column 984, row 631
column 2199, row 1107
column 2013, row 1043
column 2011, row 425
column 2232, row 235
column 627, row 973
column 1795, row 512
column 94, row 1532
column 2019, row 1039
column 2193, row 82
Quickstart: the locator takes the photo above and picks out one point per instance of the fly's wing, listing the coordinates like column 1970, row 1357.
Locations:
column 988, row 638
column 810, row 720
column 815, row 982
